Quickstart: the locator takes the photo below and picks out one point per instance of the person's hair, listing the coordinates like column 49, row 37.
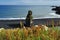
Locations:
column 29, row 12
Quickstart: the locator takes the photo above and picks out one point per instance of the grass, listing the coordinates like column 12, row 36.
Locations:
column 33, row 33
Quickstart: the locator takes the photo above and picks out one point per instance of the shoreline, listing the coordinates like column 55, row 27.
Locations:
column 24, row 18
column 15, row 23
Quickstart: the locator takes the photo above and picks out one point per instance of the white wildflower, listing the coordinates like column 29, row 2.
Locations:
column 1, row 29
column 24, row 27
column 45, row 27
column 36, row 25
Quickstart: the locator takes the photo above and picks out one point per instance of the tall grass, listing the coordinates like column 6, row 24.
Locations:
column 33, row 33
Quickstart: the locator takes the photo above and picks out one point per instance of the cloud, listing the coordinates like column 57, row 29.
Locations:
column 30, row 2
column 41, row 2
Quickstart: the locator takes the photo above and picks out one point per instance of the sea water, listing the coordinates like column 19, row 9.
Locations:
column 21, row 11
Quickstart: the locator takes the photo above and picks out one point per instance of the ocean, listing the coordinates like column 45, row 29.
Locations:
column 17, row 12
column 21, row 11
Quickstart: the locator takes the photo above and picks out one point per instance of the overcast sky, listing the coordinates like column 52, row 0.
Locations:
column 29, row 2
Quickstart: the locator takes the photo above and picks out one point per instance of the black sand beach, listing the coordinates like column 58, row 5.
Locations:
column 15, row 23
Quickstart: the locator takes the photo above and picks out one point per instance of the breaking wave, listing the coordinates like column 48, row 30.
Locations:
column 54, row 15
column 11, row 18
column 50, row 15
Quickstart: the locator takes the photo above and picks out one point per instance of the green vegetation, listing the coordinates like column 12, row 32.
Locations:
column 33, row 33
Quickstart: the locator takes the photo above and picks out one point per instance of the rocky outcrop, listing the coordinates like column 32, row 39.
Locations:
column 56, row 9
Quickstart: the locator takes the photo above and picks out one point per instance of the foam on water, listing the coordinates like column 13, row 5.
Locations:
column 14, row 18
column 51, row 15
column 54, row 14
column 11, row 18
column 19, row 18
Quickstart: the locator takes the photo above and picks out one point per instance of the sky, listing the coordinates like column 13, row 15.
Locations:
column 29, row 2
